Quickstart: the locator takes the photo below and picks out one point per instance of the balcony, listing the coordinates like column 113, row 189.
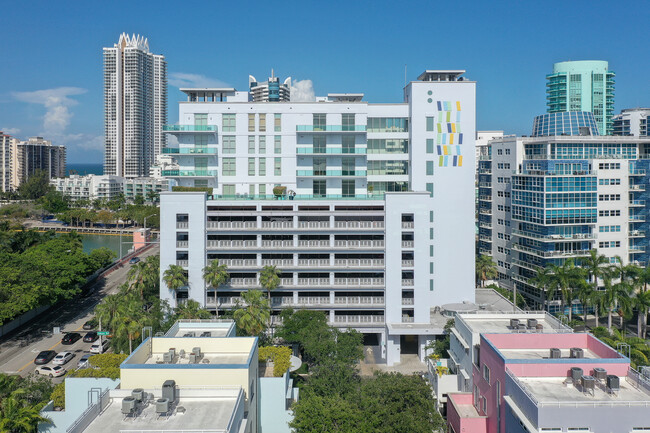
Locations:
column 485, row 224
column 231, row 244
column 190, row 128
column 636, row 218
column 190, row 150
column 407, row 282
column 485, row 197
column 238, row 263
column 182, row 244
column 554, row 237
column 485, row 211
column 485, row 238
column 182, row 224
column 359, row 224
column 314, row 243
column 277, row 224
column 183, row 263
column 277, row 244
column 231, row 224
column 277, row 262
column 637, row 234
column 358, row 243
column 637, row 172
column 313, row 224
column 286, row 282
column 359, row 263
column 640, row 203
column 637, row 187
column 407, row 319
column 408, row 263
column 309, row 282
column 636, row 249
column 331, row 173
column 485, row 184
column 332, row 151
column 359, row 282
column 330, row 128
column 189, row 173
column 360, row 300
column 243, row 282
column 408, row 224
column 526, row 265
column 551, row 254
column 407, row 301
column 359, row 320
column 312, row 301
column 408, row 244
column 316, row 263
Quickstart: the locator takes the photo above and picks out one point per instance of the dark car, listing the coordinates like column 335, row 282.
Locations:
column 90, row 337
column 44, row 357
column 90, row 325
column 70, row 338
column 134, row 260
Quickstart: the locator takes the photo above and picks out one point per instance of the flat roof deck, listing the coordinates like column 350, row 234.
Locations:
column 205, row 413
column 542, row 353
column 198, row 331
column 212, row 358
column 554, row 390
column 487, row 324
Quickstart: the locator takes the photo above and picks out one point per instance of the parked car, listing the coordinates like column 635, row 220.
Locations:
column 70, row 338
column 99, row 347
column 62, row 358
column 52, row 371
column 90, row 325
column 134, row 260
column 44, row 357
column 90, row 337
column 83, row 362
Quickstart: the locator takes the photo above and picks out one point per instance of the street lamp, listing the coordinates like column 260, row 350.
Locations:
column 145, row 220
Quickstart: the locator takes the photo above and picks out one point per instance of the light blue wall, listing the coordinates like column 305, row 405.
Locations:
column 76, row 402
column 275, row 417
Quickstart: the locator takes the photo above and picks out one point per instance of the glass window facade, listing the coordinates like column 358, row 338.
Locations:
column 228, row 123
column 389, row 145
column 387, row 167
column 229, row 167
column 387, row 124
column 229, row 144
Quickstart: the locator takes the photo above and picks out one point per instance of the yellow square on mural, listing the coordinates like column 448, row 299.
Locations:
column 458, row 105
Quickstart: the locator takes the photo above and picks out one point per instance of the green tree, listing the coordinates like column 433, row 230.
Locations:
column 175, row 277
column 17, row 416
column 36, row 186
column 143, row 277
column 330, row 414
column 270, row 279
column 299, row 326
column 486, row 269
column 615, row 295
column 214, row 276
column 191, row 310
column 252, row 317
column 565, row 279
column 55, row 202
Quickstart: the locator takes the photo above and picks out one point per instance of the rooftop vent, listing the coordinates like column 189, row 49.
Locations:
column 555, row 353
column 599, row 373
column 532, row 323
column 514, row 323
column 162, row 406
column 613, row 383
column 169, row 390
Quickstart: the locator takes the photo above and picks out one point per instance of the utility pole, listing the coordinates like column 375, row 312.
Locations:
column 514, row 297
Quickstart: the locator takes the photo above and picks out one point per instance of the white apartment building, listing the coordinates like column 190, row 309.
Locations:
column 5, row 162
column 631, row 122
column 135, row 106
column 35, row 154
column 147, row 187
column 271, row 90
column 375, row 227
column 89, row 187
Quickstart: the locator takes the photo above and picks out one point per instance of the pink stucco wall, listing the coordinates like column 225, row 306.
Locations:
column 459, row 424
column 497, row 368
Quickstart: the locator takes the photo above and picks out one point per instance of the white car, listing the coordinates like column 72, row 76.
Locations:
column 99, row 347
column 62, row 358
column 53, row 371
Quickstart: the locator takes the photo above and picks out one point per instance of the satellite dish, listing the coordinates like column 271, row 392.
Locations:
column 296, row 363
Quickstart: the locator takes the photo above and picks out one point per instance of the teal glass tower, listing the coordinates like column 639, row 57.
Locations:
column 586, row 85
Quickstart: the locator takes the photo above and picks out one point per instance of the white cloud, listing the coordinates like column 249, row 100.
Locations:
column 56, row 102
column 182, row 79
column 302, row 91
column 10, row 131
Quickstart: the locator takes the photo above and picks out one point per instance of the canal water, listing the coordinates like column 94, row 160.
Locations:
column 112, row 242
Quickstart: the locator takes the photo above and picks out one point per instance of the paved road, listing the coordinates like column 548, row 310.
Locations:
column 18, row 350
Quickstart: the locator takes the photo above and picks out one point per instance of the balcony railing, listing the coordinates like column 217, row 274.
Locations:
column 485, row 197
column 182, row 244
column 407, row 319
column 554, row 237
column 637, row 172
column 637, row 187
column 277, row 224
column 190, row 150
column 408, row 224
column 359, row 263
column 190, row 128
column 485, row 211
column 356, row 282
column 189, row 173
column 407, row 301
column 231, row 244
column 408, row 244
column 277, row 244
column 637, row 234
column 637, row 202
column 231, row 224
column 314, row 243
column 359, row 300
column 237, row 263
column 333, row 173
column 485, row 224
column 243, row 282
column 313, row 224
column 183, row 263
column 575, row 253
column 637, row 218
column 277, row 262
column 358, row 319
column 331, row 128
column 313, row 262
column 332, row 151
column 182, row 224
column 358, row 243
column 359, row 224
column 408, row 263
column 313, row 281
column 374, row 196
column 407, row 282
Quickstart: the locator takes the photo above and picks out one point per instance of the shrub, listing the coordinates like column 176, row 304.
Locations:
column 191, row 189
column 58, row 395
column 279, row 190
column 107, row 360
column 279, row 355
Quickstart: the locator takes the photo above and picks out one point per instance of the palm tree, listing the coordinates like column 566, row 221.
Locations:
column 215, row 275
column 565, row 279
column 585, row 294
column 143, row 276
column 191, row 310
column 175, row 277
column 270, row 279
column 17, row 416
column 107, row 312
column 486, row 269
column 639, row 349
column 642, row 304
column 542, row 280
column 615, row 296
column 594, row 263
column 253, row 316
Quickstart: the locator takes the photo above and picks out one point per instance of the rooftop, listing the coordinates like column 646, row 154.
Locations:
column 211, row 411
column 441, row 75
column 496, row 322
column 202, row 328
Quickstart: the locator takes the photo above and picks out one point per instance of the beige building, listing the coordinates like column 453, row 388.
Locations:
column 35, row 154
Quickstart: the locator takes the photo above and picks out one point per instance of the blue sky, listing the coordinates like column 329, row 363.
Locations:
column 51, row 68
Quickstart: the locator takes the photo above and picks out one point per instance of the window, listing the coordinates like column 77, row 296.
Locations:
column 607, row 213
column 431, row 233
column 320, row 121
column 430, row 216
column 429, row 123
column 609, row 166
column 429, row 168
column 319, row 144
column 609, row 181
column 429, row 145
column 278, row 122
column 277, row 144
column 348, row 122
column 430, row 189
column 200, row 140
column 228, row 123
column 200, row 119
column 318, row 188
column 277, row 167
column 476, row 397
column 431, row 268
column 251, row 122
column 348, row 165
column 319, row 166
column 348, row 143
column 609, row 197
column 262, row 189
column 388, row 124
column 229, row 167
column 251, row 189
column 251, row 166
column 383, row 145
column 200, row 183
column 610, row 244
column 262, row 166
column 229, row 190
column 262, row 145
column 251, row 144
column 499, row 151
column 431, row 285
column 348, row 187
column 507, row 151
column 430, row 250
column 262, row 122
column 229, row 145
column 609, row 229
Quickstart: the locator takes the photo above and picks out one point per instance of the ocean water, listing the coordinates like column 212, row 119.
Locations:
column 86, row 168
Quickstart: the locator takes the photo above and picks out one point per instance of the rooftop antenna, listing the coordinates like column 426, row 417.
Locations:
column 272, row 74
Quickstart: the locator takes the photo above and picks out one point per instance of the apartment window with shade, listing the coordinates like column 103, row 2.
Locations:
column 277, row 122
column 262, row 166
column 251, row 122
column 277, row 144
column 228, row 143
column 229, row 167
column 200, row 119
column 320, row 121
column 251, row 144
column 486, row 373
column 348, row 187
column 251, row 166
column 277, row 167
column 348, row 122
column 319, row 144
column 228, row 123
column 262, row 122
column 262, row 145
column 348, row 143
column 318, row 187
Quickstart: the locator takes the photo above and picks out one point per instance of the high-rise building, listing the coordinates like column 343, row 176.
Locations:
column 33, row 155
column 367, row 209
column 135, row 106
column 632, row 121
column 5, row 162
column 271, row 90
column 586, row 85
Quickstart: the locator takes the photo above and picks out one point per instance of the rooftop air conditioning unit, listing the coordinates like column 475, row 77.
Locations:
column 169, row 390
column 555, row 353
column 193, row 358
column 577, row 352
column 138, row 394
column 167, row 358
column 576, row 373
column 128, row 405
column 514, row 323
column 539, row 327
column 532, row 323
column 588, row 382
column 206, row 334
column 600, row 373
column 196, row 351
column 162, row 406
column 613, row 382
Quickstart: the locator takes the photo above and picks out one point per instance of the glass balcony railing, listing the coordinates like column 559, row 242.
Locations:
column 310, row 173
column 332, row 150
column 190, row 128
column 331, row 128
column 191, row 150
column 376, row 196
column 189, row 173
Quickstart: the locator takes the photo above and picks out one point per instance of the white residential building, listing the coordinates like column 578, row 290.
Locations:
column 631, row 122
column 35, row 154
column 271, row 90
column 5, row 162
column 89, row 187
column 376, row 226
column 135, row 106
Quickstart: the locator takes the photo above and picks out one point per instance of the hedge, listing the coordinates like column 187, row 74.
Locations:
column 279, row 355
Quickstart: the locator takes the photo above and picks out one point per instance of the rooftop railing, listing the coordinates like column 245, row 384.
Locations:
column 376, row 196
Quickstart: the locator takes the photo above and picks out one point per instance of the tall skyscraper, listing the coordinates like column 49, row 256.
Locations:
column 135, row 106
column 5, row 162
column 586, row 85
column 271, row 90
column 35, row 154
